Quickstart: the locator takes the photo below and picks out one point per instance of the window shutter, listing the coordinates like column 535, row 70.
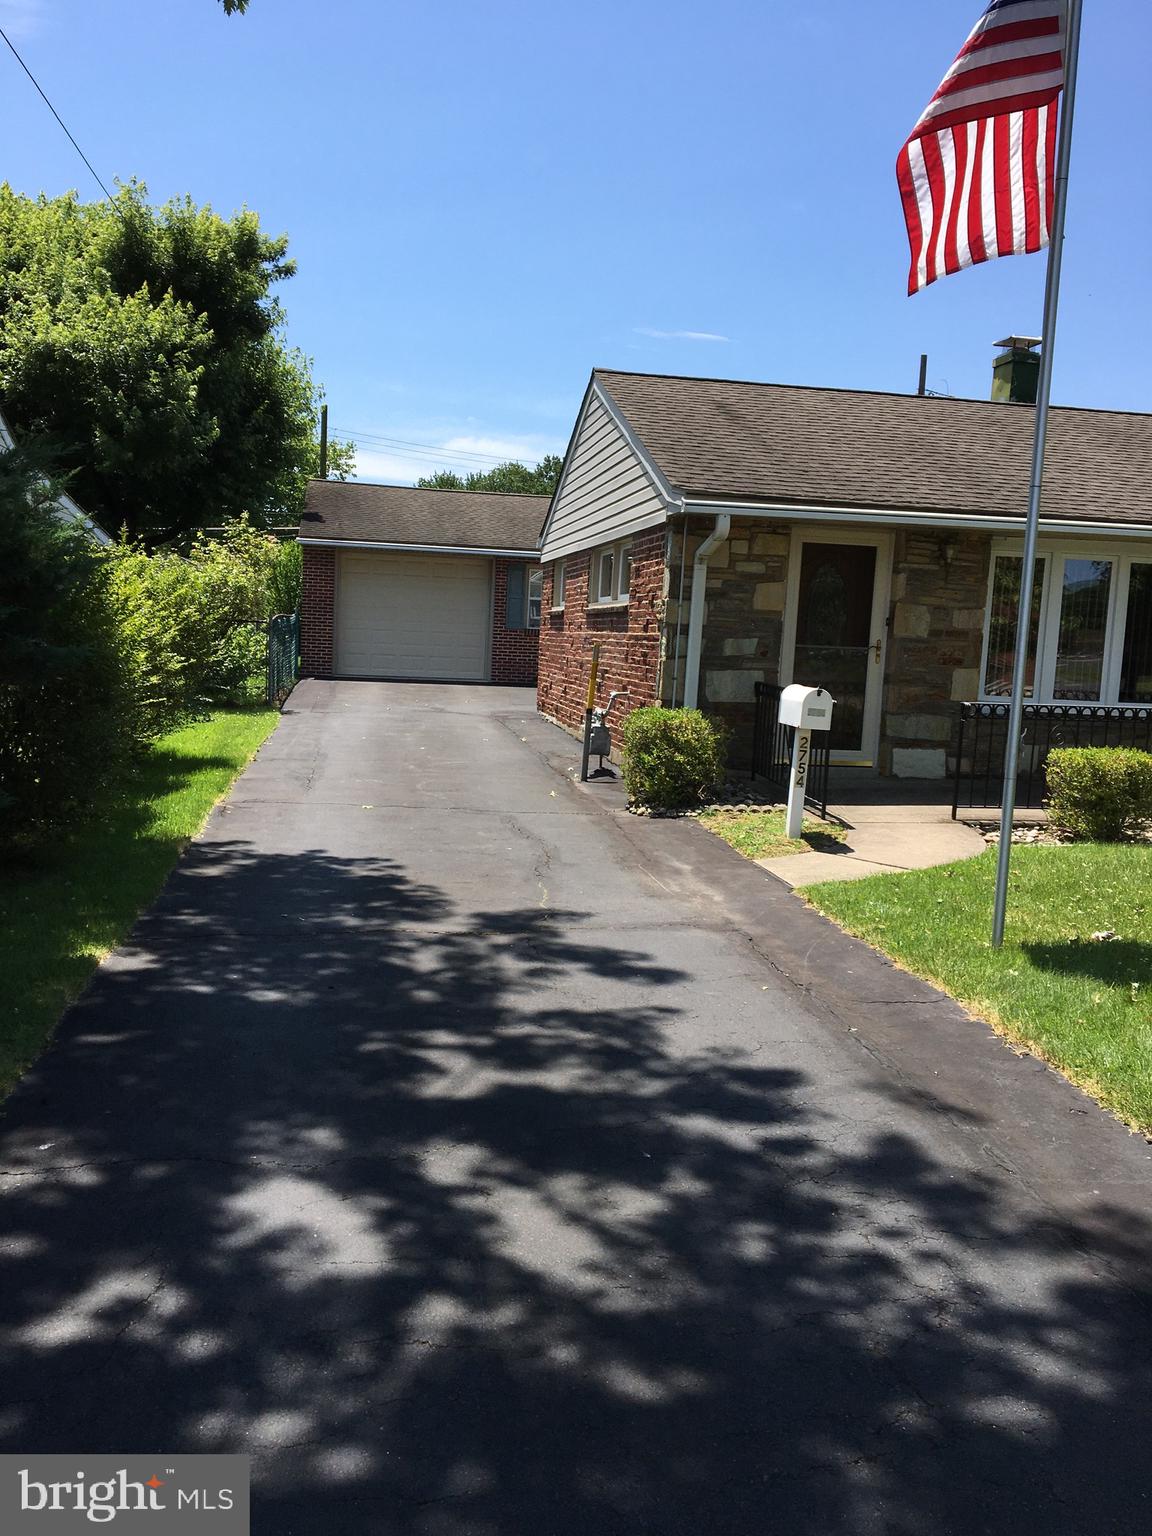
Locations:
column 514, row 613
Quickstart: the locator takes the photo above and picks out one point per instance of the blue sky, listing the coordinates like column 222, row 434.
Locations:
column 486, row 200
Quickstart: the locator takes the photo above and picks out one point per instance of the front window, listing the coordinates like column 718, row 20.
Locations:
column 1003, row 618
column 558, row 584
column 535, row 590
column 1136, row 673
column 1080, row 646
column 1090, row 638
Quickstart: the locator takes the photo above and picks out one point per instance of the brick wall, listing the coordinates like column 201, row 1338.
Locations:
column 629, row 636
column 514, row 651
column 317, row 611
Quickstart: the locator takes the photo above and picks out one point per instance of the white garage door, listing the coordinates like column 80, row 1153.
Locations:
column 413, row 616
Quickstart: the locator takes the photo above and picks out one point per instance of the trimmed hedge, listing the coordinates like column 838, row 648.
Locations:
column 673, row 758
column 1099, row 794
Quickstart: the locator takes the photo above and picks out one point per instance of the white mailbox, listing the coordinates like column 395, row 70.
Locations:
column 808, row 709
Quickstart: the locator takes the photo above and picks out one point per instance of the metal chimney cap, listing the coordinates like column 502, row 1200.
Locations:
column 1020, row 343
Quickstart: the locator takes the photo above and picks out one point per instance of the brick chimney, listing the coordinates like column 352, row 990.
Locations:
column 1016, row 371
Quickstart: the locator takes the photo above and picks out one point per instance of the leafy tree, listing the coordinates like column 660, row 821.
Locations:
column 146, row 345
column 63, row 693
column 511, row 477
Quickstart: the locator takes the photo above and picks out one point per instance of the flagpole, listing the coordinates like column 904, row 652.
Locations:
column 1043, row 401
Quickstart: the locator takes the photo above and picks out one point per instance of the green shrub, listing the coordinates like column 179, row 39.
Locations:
column 673, row 758
column 1101, row 794
column 63, row 696
column 193, row 625
column 285, row 578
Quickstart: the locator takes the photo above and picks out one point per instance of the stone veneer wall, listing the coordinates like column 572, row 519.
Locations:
column 629, row 635
column 743, row 623
column 939, row 592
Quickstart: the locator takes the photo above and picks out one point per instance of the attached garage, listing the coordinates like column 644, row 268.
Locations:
column 418, row 616
column 406, row 583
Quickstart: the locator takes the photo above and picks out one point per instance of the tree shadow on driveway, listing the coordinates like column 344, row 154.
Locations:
column 459, row 1223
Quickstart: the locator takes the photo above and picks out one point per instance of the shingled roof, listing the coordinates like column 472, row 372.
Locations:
column 358, row 513
column 722, row 440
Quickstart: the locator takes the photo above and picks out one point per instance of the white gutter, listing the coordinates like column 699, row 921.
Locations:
column 422, row 549
column 961, row 521
column 696, row 608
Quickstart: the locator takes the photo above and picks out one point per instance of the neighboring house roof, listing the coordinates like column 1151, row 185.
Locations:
column 722, row 440
column 400, row 516
column 68, row 510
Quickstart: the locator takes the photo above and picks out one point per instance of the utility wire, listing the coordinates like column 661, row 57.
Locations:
column 425, row 449
column 57, row 116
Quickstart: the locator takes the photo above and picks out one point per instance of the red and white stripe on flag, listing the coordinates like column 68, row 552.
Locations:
column 978, row 173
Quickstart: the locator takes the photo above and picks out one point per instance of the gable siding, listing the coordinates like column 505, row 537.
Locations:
column 606, row 492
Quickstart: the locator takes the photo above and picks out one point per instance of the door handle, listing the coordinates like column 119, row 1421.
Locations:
column 878, row 649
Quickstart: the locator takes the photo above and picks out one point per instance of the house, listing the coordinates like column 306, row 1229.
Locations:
column 715, row 535
column 407, row 583
column 68, row 510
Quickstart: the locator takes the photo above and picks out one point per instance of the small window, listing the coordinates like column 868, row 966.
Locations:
column 535, row 591
column 606, row 587
column 558, row 584
column 611, row 572
column 623, row 571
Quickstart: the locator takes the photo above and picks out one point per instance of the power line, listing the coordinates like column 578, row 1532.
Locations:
column 424, row 448
column 57, row 116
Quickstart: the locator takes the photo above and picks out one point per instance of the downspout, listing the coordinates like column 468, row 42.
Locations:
column 696, row 607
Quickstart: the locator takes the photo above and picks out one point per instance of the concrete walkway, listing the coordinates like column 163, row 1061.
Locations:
column 911, row 833
column 484, row 1161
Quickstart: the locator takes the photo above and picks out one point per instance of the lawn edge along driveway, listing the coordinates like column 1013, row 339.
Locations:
column 60, row 916
column 1082, row 1005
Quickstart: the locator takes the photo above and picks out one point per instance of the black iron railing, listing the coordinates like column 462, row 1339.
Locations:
column 979, row 775
column 772, row 750
column 283, row 656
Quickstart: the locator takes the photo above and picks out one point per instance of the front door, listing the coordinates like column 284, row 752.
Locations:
column 836, row 630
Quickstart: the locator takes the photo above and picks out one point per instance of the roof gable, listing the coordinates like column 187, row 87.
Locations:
column 609, row 487
column 725, row 440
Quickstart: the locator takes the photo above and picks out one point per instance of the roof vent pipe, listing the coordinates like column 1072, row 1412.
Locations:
column 696, row 607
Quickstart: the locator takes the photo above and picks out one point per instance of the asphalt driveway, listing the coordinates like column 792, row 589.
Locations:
column 487, row 1162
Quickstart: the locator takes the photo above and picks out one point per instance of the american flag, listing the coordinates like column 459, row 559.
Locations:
column 977, row 175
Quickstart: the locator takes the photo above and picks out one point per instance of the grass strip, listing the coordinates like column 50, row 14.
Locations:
column 60, row 915
column 760, row 834
column 1083, row 1005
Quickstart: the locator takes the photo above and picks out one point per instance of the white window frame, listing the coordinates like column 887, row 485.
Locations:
column 558, row 583
column 1053, row 553
column 535, row 574
column 620, row 554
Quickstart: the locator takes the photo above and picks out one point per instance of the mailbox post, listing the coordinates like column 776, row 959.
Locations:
column 805, row 710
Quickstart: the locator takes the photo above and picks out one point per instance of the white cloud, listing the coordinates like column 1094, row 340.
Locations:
column 20, row 18
column 647, row 330
column 401, row 455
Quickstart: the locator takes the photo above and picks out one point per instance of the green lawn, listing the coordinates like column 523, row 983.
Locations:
column 60, row 916
column 1084, row 1006
column 760, row 834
